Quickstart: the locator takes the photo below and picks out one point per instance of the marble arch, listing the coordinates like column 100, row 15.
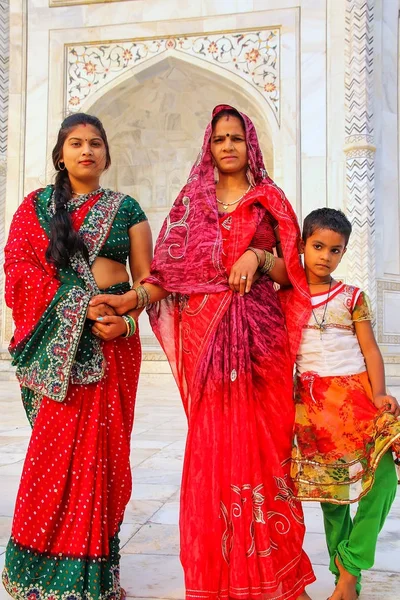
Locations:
column 231, row 83
column 155, row 104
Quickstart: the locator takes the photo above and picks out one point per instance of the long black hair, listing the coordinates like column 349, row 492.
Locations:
column 64, row 240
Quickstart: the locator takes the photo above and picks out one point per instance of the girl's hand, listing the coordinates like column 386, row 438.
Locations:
column 390, row 401
column 245, row 267
column 101, row 310
column 109, row 327
column 122, row 303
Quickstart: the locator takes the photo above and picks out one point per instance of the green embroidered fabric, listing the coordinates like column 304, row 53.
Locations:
column 62, row 576
column 61, row 349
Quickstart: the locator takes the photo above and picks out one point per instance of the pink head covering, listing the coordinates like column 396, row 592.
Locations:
column 188, row 252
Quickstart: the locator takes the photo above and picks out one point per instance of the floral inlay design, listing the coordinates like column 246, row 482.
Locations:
column 253, row 55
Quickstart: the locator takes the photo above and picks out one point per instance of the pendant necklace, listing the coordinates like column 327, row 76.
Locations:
column 322, row 325
column 226, row 205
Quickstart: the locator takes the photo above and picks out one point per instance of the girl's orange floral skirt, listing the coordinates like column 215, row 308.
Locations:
column 340, row 437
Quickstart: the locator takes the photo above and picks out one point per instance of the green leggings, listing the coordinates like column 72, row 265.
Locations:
column 354, row 542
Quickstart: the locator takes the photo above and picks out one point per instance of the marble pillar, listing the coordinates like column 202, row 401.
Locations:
column 359, row 143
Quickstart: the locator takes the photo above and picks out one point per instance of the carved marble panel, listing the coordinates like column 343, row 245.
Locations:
column 253, row 55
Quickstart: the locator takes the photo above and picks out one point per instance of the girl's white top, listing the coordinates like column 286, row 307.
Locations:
column 334, row 349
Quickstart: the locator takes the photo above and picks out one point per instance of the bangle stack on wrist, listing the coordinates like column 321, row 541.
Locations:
column 143, row 296
column 130, row 326
column 269, row 262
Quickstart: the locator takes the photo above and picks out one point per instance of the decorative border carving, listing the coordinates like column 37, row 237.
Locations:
column 392, row 359
column 253, row 55
column 382, row 287
column 55, row 3
column 359, row 143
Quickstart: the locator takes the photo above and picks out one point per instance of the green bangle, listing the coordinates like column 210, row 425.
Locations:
column 130, row 325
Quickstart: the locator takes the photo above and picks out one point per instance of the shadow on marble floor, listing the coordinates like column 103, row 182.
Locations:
column 150, row 567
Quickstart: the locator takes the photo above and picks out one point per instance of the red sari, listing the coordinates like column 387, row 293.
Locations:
column 79, row 394
column 241, row 528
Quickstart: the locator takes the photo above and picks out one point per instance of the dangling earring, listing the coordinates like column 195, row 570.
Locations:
column 216, row 174
column 250, row 176
column 61, row 162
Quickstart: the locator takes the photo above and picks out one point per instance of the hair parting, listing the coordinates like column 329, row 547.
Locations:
column 228, row 112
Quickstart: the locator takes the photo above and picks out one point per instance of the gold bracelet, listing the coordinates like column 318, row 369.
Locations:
column 143, row 296
column 269, row 262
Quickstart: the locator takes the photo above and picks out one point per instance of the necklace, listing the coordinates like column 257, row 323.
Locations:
column 321, row 324
column 88, row 194
column 226, row 205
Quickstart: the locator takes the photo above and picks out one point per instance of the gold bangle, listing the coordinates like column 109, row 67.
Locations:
column 143, row 296
column 269, row 262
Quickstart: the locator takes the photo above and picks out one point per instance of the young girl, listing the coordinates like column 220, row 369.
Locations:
column 346, row 424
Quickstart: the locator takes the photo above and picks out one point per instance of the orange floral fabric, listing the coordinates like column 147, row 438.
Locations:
column 340, row 437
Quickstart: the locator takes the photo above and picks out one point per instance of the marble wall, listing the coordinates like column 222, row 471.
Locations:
column 152, row 70
column 4, row 102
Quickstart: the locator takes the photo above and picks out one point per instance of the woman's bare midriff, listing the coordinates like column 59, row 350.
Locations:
column 107, row 272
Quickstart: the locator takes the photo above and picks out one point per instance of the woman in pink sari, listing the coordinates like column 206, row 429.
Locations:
column 224, row 332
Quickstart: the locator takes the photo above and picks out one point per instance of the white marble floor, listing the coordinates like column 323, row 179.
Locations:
column 150, row 564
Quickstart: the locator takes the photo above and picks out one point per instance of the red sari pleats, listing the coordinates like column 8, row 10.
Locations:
column 76, row 480
column 241, row 529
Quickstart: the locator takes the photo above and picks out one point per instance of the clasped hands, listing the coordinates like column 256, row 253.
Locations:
column 105, row 310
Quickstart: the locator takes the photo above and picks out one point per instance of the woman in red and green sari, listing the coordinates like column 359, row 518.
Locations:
column 78, row 376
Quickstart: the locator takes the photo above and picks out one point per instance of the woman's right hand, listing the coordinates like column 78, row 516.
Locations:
column 101, row 310
column 242, row 273
column 121, row 304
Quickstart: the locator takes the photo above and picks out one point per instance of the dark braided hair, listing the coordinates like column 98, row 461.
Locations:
column 65, row 242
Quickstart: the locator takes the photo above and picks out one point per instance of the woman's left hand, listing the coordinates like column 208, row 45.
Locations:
column 111, row 327
column 388, row 401
column 242, row 273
